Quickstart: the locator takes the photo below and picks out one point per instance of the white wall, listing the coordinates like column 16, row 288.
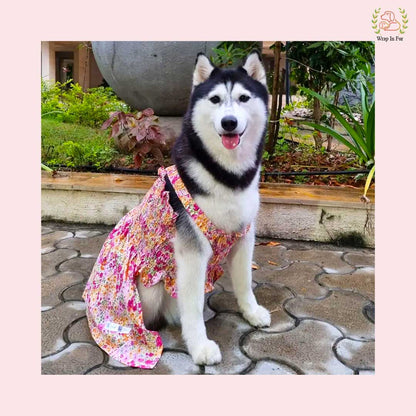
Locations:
column 45, row 62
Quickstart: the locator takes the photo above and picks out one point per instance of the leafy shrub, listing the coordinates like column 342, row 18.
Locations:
column 137, row 133
column 67, row 102
column 75, row 146
column 86, row 154
column 362, row 137
column 231, row 53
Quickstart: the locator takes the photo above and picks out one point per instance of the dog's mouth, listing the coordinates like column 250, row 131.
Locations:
column 231, row 141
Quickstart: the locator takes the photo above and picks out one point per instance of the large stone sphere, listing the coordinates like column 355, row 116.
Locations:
column 151, row 74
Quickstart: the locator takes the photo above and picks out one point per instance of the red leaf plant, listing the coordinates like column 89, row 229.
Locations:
column 138, row 133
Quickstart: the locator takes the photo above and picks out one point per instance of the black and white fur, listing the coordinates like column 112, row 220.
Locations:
column 224, row 183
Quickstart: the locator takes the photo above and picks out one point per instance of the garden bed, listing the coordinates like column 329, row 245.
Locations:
column 71, row 147
column 298, row 163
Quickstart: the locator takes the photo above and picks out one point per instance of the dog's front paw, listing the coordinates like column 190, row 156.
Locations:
column 206, row 353
column 259, row 317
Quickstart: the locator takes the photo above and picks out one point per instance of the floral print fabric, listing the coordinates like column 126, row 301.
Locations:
column 140, row 246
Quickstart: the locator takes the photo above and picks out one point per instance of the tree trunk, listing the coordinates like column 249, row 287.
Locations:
column 317, row 118
column 275, row 88
column 279, row 108
column 332, row 124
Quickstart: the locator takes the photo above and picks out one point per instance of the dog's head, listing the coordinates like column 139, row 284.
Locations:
column 229, row 106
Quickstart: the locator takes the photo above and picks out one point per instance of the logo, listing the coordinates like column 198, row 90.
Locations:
column 389, row 23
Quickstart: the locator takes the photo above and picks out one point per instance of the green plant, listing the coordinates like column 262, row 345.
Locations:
column 282, row 146
column 368, row 183
column 47, row 168
column 341, row 178
column 68, row 102
column 300, row 179
column 136, row 133
column 309, row 151
column 266, row 156
column 331, row 67
column 288, row 128
column 76, row 155
column 51, row 103
column 231, row 53
column 87, row 146
column 362, row 136
column 304, row 102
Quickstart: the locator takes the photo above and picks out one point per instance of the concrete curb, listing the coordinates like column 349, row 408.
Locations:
column 296, row 212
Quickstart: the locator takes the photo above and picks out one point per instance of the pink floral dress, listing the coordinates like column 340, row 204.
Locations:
column 140, row 246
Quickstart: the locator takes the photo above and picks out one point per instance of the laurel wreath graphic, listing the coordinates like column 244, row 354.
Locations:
column 405, row 20
column 375, row 20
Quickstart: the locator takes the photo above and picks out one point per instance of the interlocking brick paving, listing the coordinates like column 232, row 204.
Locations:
column 79, row 331
column 321, row 300
column 360, row 281
column 171, row 362
column 269, row 367
column 356, row 354
column 52, row 260
column 54, row 286
column 299, row 277
column 50, row 239
column 330, row 261
column 308, row 347
column 360, row 259
column 271, row 257
column 88, row 247
column 74, row 292
column 76, row 359
column 54, row 323
column 226, row 330
column 271, row 297
column 341, row 309
column 82, row 265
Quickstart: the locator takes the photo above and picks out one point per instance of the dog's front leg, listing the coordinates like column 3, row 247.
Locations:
column 191, row 263
column 239, row 261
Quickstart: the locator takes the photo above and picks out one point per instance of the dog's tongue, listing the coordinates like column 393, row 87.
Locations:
column 230, row 141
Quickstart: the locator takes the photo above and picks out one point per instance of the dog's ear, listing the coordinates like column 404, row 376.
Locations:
column 203, row 69
column 255, row 68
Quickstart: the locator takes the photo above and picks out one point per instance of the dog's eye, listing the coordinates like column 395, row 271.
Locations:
column 244, row 98
column 215, row 99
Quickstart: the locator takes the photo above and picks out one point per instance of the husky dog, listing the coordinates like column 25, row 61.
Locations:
column 218, row 157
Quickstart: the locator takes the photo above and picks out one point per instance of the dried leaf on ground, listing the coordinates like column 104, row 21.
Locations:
column 269, row 244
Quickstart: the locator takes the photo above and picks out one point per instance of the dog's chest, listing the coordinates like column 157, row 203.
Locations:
column 230, row 210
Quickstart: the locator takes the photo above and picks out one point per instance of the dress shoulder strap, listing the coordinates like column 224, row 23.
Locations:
column 196, row 213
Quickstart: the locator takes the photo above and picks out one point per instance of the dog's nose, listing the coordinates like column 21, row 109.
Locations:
column 229, row 123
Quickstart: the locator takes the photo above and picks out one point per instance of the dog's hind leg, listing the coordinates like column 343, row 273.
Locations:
column 170, row 310
column 239, row 262
column 152, row 303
